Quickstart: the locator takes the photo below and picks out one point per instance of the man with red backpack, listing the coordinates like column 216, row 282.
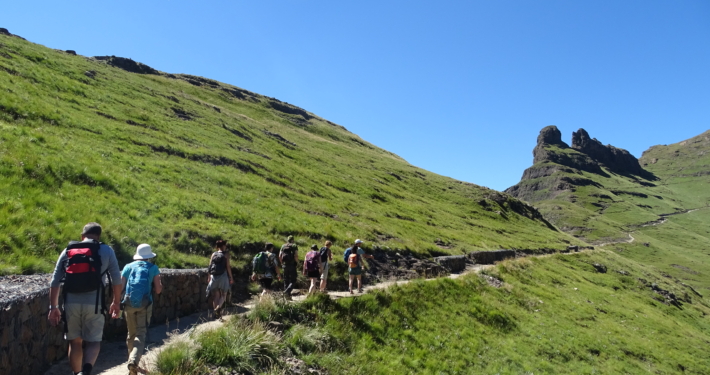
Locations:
column 82, row 268
column 312, row 267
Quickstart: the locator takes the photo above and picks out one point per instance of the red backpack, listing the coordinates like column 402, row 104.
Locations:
column 83, row 271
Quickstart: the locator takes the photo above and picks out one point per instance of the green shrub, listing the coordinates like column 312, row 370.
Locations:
column 304, row 340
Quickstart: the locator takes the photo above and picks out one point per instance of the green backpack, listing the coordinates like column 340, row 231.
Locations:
column 260, row 263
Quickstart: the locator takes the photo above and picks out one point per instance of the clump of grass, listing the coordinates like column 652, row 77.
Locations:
column 241, row 345
column 176, row 359
column 303, row 340
column 272, row 308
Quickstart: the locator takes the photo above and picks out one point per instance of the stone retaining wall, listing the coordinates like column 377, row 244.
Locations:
column 29, row 345
column 453, row 263
column 490, row 257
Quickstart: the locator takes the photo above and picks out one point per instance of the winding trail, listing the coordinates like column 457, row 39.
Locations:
column 114, row 354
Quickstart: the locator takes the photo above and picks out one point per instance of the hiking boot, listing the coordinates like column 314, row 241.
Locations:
column 132, row 369
column 86, row 369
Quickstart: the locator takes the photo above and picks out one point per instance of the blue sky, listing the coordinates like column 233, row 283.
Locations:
column 460, row 88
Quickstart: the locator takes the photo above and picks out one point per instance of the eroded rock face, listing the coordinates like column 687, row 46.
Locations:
column 616, row 159
column 555, row 162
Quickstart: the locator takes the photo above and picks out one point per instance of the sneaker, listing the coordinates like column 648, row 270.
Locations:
column 132, row 369
column 359, row 290
column 86, row 369
column 351, row 291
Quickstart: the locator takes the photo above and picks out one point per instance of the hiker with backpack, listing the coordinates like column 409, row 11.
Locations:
column 139, row 279
column 220, row 270
column 289, row 261
column 353, row 257
column 326, row 256
column 265, row 266
column 82, row 268
column 312, row 267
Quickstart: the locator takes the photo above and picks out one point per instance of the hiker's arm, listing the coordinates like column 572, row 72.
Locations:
column 304, row 266
column 330, row 255
column 157, row 285
column 54, row 315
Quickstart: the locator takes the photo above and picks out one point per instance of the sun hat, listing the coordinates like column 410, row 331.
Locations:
column 314, row 247
column 143, row 251
column 358, row 241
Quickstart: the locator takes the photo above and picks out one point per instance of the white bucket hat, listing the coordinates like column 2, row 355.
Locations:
column 358, row 241
column 144, row 252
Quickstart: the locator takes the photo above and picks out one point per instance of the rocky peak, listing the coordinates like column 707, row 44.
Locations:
column 549, row 136
column 615, row 159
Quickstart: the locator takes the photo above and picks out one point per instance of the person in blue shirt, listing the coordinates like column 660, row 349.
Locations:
column 140, row 279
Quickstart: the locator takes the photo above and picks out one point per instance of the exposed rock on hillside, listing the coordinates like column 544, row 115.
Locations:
column 127, row 64
column 615, row 159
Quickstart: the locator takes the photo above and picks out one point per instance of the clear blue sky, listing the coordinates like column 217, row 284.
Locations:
column 460, row 88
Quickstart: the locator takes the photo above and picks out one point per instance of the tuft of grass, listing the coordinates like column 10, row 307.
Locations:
column 241, row 345
column 177, row 359
column 303, row 340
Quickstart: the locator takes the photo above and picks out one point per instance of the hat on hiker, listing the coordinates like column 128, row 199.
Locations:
column 314, row 247
column 290, row 238
column 358, row 241
column 91, row 228
column 144, row 252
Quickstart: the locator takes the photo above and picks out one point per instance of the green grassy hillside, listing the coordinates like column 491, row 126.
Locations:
column 553, row 315
column 179, row 161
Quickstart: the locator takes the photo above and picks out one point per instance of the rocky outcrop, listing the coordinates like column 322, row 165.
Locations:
column 127, row 64
column 615, row 159
column 556, row 164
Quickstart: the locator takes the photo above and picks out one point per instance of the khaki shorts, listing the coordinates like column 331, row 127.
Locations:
column 83, row 322
column 326, row 268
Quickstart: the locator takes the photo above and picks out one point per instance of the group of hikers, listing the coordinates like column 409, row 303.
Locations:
column 85, row 267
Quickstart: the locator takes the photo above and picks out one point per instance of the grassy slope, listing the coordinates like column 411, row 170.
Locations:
column 555, row 315
column 114, row 149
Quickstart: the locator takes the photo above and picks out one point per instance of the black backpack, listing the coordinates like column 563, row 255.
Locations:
column 287, row 251
column 219, row 263
column 82, row 267
column 82, row 271
column 323, row 254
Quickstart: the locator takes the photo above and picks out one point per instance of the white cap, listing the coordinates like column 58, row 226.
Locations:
column 358, row 241
column 144, row 252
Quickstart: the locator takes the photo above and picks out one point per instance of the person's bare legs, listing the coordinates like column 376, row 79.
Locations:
column 323, row 282
column 81, row 352
column 350, row 283
column 76, row 354
column 91, row 351
column 313, row 285
column 359, row 283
